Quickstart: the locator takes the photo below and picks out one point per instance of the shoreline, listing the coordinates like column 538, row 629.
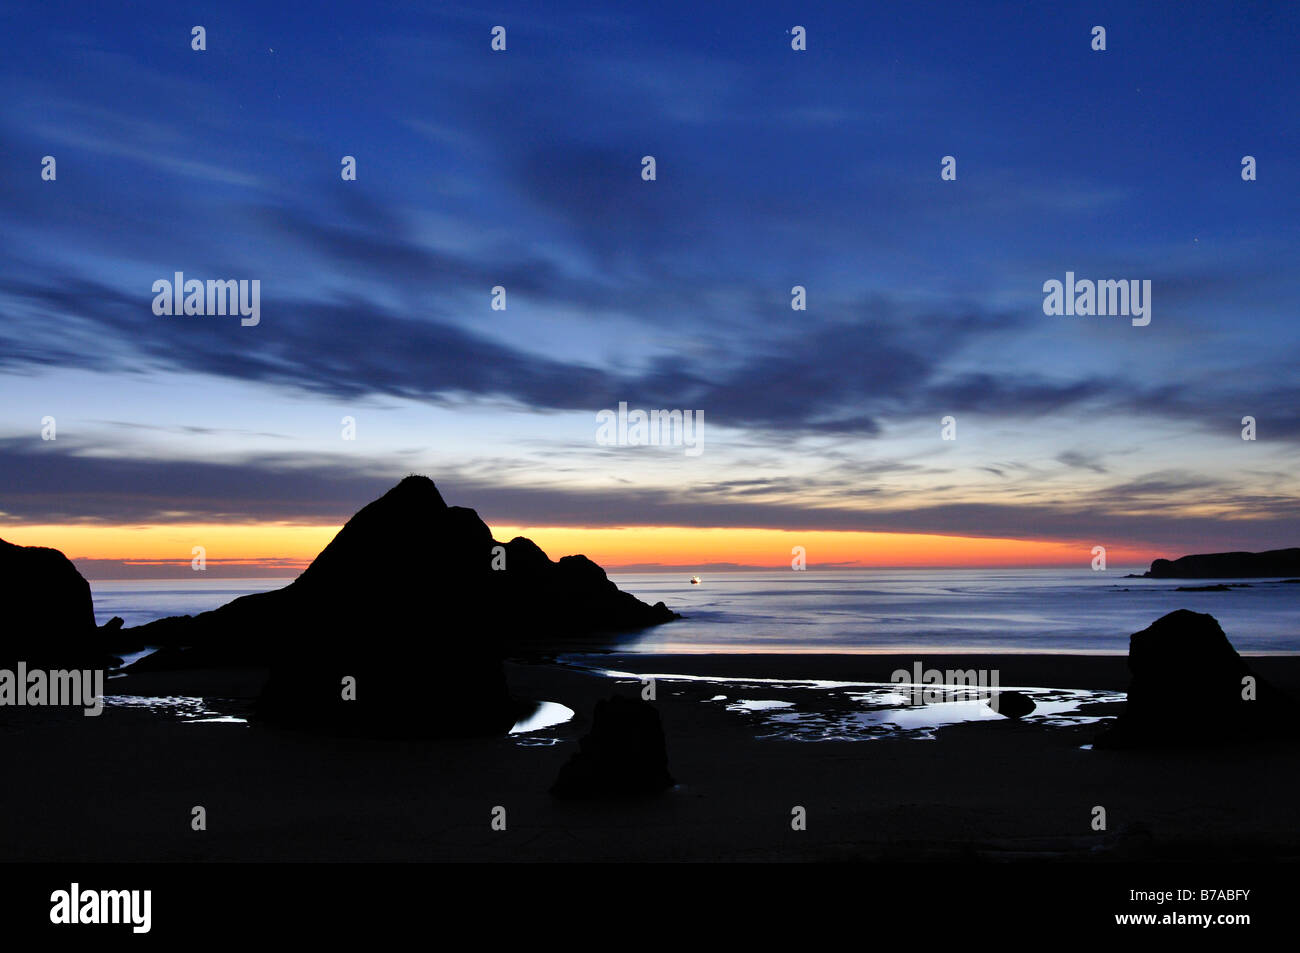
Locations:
column 1046, row 670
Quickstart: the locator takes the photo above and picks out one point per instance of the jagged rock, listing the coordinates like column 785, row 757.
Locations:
column 405, row 601
column 112, row 640
column 1188, row 687
column 1013, row 704
column 558, row 601
column 49, row 616
column 623, row 754
column 396, row 607
column 408, row 551
column 1275, row 562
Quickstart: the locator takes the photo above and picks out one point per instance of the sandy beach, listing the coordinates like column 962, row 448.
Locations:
column 994, row 789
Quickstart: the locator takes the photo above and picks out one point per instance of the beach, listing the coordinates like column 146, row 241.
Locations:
column 122, row 787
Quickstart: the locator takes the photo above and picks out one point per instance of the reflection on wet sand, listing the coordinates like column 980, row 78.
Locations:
column 824, row 710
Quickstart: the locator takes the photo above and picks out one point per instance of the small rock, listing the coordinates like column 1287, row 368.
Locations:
column 623, row 754
column 1012, row 704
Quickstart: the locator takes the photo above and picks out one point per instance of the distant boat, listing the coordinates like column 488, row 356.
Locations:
column 695, row 580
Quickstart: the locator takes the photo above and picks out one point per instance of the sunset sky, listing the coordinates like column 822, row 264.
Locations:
column 775, row 168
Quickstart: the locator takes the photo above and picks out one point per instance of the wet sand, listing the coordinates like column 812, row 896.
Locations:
column 121, row 787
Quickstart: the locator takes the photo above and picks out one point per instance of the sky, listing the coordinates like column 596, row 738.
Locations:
column 522, row 169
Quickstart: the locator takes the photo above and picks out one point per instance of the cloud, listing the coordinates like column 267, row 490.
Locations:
column 1083, row 461
column 836, row 377
column 47, row 483
column 182, row 569
column 60, row 481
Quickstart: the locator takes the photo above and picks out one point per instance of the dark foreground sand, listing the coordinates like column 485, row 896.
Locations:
column 121, row 786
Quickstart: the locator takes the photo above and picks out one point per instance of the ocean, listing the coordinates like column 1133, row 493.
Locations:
column 865, row 611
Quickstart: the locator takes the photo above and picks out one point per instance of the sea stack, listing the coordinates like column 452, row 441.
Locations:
column 388, row 632
column 400, row 625
column 1191, row 687
column 49, row 615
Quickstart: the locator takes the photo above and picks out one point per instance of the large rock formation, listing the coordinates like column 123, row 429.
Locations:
column 49, row 619
column 1275, row 562
column 416, row 603
column 623, row 754
column 1190, row 687
column 566, row 601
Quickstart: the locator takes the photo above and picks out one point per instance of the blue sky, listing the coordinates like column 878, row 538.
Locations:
column 775, row 168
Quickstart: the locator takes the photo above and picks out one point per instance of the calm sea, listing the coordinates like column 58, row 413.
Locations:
column 865, row 611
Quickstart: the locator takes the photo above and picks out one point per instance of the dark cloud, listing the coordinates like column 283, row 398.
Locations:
column 57, row 481
column 840, row 377
column 182, row 568
column 54, row 482
column 1077, row 459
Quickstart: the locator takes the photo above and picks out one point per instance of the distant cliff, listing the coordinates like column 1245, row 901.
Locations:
column 1276, row 562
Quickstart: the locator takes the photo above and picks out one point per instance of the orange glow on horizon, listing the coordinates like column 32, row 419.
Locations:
column 771, row 548
column 292, row 547
column 175, row 542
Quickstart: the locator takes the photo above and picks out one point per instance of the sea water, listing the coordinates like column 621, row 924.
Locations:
column 865, row 611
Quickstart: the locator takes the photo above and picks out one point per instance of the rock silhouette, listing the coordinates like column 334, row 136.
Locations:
column 571, row 598
column 49, row 616
column 623, row 754
column 1013, row 704
column 1275, row 562
column 405, row 602
column 409, row 553
column 1188, row 685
